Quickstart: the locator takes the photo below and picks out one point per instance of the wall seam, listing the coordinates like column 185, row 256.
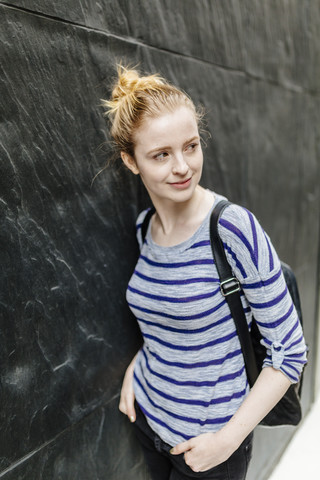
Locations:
column 291, row 88
column 29, row 455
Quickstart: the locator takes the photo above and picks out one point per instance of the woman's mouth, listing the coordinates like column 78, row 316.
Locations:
column 181, row 185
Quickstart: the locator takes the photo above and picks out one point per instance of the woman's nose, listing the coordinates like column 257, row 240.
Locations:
column 180, row 166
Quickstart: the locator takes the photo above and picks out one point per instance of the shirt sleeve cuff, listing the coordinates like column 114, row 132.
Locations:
column 277, row 353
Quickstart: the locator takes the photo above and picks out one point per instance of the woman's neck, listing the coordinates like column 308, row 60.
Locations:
column 176, row 222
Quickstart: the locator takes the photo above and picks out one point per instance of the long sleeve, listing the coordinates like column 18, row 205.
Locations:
column 256, row 265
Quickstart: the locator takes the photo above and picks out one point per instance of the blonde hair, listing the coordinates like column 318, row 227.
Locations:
column 136, row 97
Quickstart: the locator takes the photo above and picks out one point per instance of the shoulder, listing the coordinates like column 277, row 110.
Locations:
column 236, row 221
column 141, row 223
column 246, row 242
column 141, row 217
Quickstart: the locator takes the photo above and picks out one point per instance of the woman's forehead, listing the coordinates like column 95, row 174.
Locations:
column 170, row 124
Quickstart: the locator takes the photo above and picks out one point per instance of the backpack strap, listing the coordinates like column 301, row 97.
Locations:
column 230, row 289
column 145, row 223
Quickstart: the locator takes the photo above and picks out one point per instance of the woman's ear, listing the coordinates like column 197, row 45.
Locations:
column 129, row 162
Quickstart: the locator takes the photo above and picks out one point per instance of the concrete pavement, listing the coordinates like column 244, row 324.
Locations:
column 301, row 459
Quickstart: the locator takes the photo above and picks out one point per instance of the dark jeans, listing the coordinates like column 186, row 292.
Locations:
column 164, row 466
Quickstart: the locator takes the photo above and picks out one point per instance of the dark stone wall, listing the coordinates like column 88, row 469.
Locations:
column 67, row 246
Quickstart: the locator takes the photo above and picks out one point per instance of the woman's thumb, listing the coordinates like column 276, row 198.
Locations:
column 131, row 413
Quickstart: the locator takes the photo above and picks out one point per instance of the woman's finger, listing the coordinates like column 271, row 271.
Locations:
column 181, row 448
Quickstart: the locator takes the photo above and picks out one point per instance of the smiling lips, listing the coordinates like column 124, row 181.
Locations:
column 181, row 185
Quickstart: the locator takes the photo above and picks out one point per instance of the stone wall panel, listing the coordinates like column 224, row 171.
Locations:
column 272, row 42
column 67, row 245
column 86, row 451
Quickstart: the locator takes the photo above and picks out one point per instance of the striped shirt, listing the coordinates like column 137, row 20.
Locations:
column 189, row 376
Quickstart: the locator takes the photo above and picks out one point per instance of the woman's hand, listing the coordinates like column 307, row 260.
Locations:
column 211, row 449
column 205, row 451
column 127, row 397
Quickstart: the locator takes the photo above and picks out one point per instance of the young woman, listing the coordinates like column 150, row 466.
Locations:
column 186, row 389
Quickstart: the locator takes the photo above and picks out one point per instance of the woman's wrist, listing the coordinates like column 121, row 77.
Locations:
column 231, row 436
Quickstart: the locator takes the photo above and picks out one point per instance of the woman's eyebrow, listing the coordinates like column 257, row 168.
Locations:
column 167, row 147
column 196, row 137
column 157, row 149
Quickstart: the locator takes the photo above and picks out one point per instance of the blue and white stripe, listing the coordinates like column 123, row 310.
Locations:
column 189, row 375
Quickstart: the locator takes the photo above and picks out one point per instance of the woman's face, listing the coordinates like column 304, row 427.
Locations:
column 168, row 155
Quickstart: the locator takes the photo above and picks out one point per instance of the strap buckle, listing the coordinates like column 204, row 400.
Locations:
column 229, row 286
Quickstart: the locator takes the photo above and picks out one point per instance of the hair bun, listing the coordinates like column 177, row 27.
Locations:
column 127, row 87
column 128, row 81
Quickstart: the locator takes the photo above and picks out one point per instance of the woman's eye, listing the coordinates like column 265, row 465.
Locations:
column 192, row 146
column 161, row 156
